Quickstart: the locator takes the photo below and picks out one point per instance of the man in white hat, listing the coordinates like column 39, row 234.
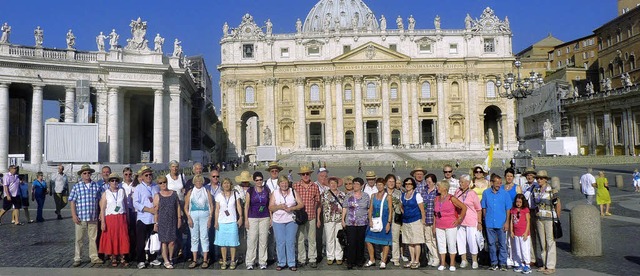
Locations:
column 143, row 203
column 84, row 198
column 370, row 188
column 274, row 171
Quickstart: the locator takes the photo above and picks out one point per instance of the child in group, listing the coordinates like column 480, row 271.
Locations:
column 519, row 221
column 636, row 180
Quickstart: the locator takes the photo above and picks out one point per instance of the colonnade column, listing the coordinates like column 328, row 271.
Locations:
column 4, row 126
column 301, row 124
column 36, row 125
column 358, row 105
column 386, row 127
column 509, row 132
column 101, row 119
column 475, row 138
column 271, row 108
column 328, row 125
column 415, row 118
column 69, row 104
column 405, row 110
column 175, row 127
column 158, row 125
column 113, row 126
column 442, row 118
column 230, row 105
column 339, row 116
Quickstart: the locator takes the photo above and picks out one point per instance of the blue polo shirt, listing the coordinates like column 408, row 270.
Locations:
column 497, row 204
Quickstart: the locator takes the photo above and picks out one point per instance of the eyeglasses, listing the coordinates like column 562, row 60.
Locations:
column 258, row 180
column 215, row 176
column 86, row 173
column 127, row 174
column 114, row 180
column 305, row 174
column 148, row 175
column 162, row 182
column 447, row 171
column 478, row 172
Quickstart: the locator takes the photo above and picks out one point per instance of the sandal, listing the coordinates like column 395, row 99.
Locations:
column 223, row 265
column 408, row 265
column 293, row 268
column 278, row 268
column 168, row 265
column 123, row 261
column 232, row 266
column 415, row 265
column 193, row 264
column 114, row 263
column 205, row 264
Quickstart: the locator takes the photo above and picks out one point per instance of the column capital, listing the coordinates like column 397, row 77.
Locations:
column 327, row 79
column 413, row 77
column 357, row 79
column 338, row 79
column 385, row 77
column 299, row 81
column 230, row 82
column 69, row 88
column 270, row 81
column 158, row 90
column 404, row 77
column 441, row 77
column 37, row 86
column 114, row 89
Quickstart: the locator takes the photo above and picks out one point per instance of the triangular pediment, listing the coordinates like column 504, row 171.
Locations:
column 371, row 52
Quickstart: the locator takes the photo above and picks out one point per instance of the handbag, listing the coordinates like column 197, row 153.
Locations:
column 300, row 216
column 397, row 218
column 376, row 223
column 342, row 237
column 479, row 240
column 557, row 226
column 153, row 243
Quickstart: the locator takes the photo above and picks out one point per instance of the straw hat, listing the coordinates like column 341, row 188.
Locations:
column 337, row 179
column 542, row 174
column 479, row 166
column 370, row 175
column 274, row 165
column 144, row 169
column 418, row 169
column 305, row 169
column 529, row 170
column 244, row 176
column 86, row 168
column 114, row 176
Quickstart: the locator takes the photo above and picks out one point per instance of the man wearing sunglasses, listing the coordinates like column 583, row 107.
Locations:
column 310, row 195
column 59, row 188
column 143, row 203
column 84, row 198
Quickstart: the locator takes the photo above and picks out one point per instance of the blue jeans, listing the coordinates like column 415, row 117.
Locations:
column 286, row 243
column 199, row 232
column 497, row 237
column 40, row 201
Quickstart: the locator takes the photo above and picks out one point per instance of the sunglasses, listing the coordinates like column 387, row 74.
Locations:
column 305, row 174
column 127, row 174
column 114, row 180
column 215, row 176
column 162, row 182
column 258, row 180
column 447, row 171
column 478, row 172
column 148, row 175
column 86, row 173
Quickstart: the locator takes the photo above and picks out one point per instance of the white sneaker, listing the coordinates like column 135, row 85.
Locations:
column 464, row 264
column 141, row 265
column 405, row 259
column 474, row 265
column 369, row 263
column 383, row 265
column 155, row 263
column 452, row 268
column 441, row 268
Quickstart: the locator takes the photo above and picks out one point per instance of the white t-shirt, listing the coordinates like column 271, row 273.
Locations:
column 586, row 181
column 229, row 205
column 454, row 184
column 176, row 185
column 369, row 190
column 272, row 184
column 128, row 189
column 114, row 201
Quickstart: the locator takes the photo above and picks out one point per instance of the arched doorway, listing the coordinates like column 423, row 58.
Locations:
column 348, row 139
column 249, row 133
column 493, row 126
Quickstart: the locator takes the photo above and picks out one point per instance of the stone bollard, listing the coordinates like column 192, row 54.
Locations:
column 555, row 183
column 576, row 183
column 586, row 232
column 619, row 181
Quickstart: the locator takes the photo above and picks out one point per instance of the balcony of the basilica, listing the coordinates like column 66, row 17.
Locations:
column 314, row 104
column 427, row 101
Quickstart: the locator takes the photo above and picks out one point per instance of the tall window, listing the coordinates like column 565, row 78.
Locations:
column 348, row 94
column 426, row 90
column 315, row 93
column 491, row 89
column 371, row 90
column 249, row 95
column 489, row 45
column 632, row 62
column 394, row 91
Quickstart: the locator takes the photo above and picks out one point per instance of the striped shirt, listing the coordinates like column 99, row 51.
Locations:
column 86, row 200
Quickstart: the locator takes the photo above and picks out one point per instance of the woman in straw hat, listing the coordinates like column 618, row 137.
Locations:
column 548, row 208
column 114, row 209
column 479, row 182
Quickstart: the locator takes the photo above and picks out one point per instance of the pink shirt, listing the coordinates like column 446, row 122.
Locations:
column 519, row 221
column 471, row 200
column 447, row 211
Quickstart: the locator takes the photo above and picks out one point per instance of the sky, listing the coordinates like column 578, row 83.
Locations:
column 198, row 23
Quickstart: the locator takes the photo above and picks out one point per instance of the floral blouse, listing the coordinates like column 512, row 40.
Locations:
column 332, row 209
column 357, row 210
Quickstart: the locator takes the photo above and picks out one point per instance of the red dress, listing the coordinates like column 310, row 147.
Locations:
column 115, row 238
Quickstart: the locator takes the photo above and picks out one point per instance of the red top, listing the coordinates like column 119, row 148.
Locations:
column 447, row 213
column 310, row 197
column 519, row 219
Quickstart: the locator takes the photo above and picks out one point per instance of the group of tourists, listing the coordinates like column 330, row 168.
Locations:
column 343, row 219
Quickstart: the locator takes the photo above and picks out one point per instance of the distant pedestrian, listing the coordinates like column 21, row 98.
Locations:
column 38, row 193
column 84, row 212
column 59, row 189
column 393, row 166
column 603, row 198
column 24, row 197
column 636, row 180
column 11, row 191
column 360, row 166
column 588, row 184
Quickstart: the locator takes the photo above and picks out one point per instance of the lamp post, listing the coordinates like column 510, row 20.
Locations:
column 519, row 87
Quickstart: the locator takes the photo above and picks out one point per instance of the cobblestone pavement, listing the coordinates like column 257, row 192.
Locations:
column 50, row 244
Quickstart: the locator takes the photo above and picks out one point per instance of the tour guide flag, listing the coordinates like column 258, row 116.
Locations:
column 487, row 162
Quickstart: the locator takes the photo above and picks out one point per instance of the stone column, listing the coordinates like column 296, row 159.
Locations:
column 339, row 142
column 301, row 123
column 113, row 126
column 405, row 110
column 158, row 126
column 126, row 133
column 270, row 105
column 591, row 134
column 231, row 123
column 415, row 117
column 175, row 125
column 101, row 119
column 441, row 105
column 386, row 125
column 328, row 125
column 473, row 119
column 358, row 105
column 508, row 133
column 36, row 125
column 69, row 104
column 608, row 133
column 4, row 126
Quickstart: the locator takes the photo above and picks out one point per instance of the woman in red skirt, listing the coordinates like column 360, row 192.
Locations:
column 114, row 240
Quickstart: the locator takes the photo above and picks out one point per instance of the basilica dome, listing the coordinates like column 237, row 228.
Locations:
column 329, row 14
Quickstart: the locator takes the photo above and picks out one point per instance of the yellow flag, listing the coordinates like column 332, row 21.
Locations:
column 489, row 159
